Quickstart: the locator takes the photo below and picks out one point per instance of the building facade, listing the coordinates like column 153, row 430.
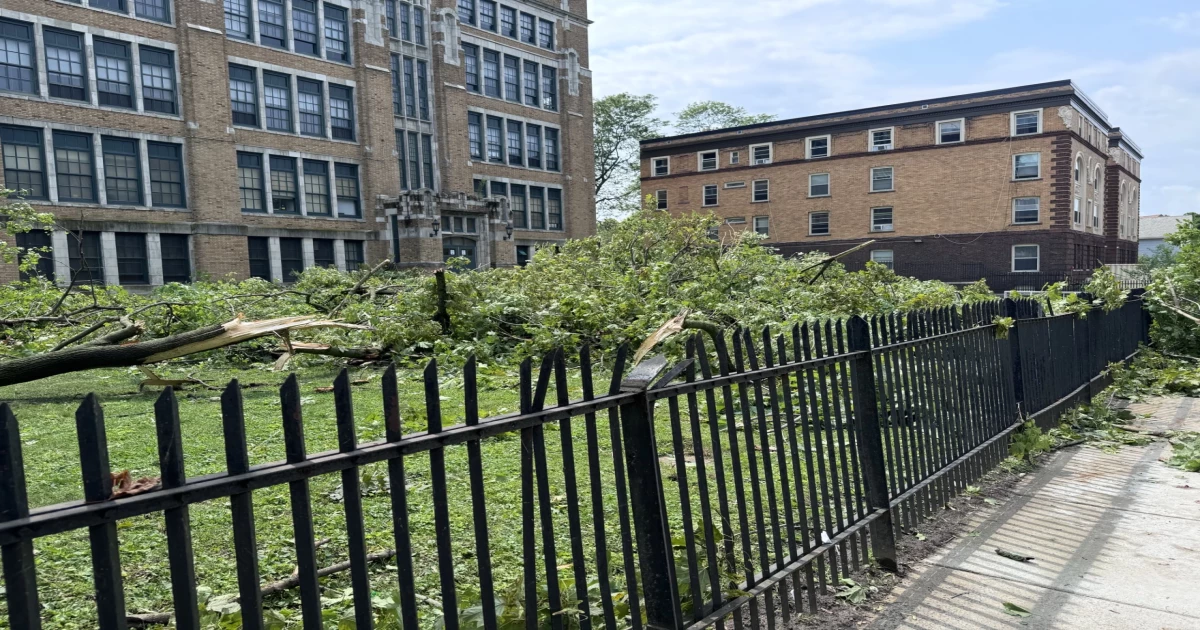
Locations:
column 256, row 138
column 1030, row 180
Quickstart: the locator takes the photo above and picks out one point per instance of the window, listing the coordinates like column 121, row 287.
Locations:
column 1095, row 208
column 549, row 88
column 323, row 253
column 522, row 255
column 487, row 15
column 762, row 225
column 389, row 11
column 554, row 208
column 316, row 188
column 508, row 22
column 36, row 242
column 272, row 29
column 475, row 134
column 881, row 220
column 349, row 202
column 708, row 160
column 243, row 94
column 533, row 145
column 176, row 258
column 1076, row 213
column 427, row 160
column 414, row 161
column 881, row 139
column 546, row 34
column 278, row 93
column 76, row 172
column 661, row 196
column 551, row 149
column 1078, row 171
column 291, row 258
column 152, row 10
column 260, row 257
column 158, row 81
column 818, row 147
column 527, row 34
column 1025, row 258
column 471, row 66
column 818, row 185
column 882, row 180
column 1027, row 166
column 122, row 171
column 403, row 165
column 341, row 112
column 237, row 19
column 729, row 185
column 17, row 58
column 466, row 11
column 515, row 155
column 353, row 251
column 405, row 22
column 516, row 199
column 491, row 73
column 66, row 71
column 760, row 153
column 397, row 102
column 419, row 24
column 762, row 191
column 1027, row 123
column 495, row 144
column 884, row 257
column 114, row 76
column 950, row 131
column 166, row 175
column 818, row 224
column 24, row 165
column 735, row 157
column 304, row 27
column 132, row 266
column 662, row 166
column 710, row 195
column 499, row 189
column 85, row 259
column 532, row 87
column 410, row 89
column 1026, row 209
column 283, row 185
column 250, row 182
column 312, row 107
column 537, row 207
column 111, row 5
column 512, row 78
column 423, row 88
column 1097, row 178
column 337, row 34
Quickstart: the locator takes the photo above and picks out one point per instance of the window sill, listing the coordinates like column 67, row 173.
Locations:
column 876, row 192
column 942, row 144
column 100, row 206
column 711, row 206
column 295, row 134
column 131, row 15
column 761, row 201
column 819, row 235
column 26, row 96
column 471, row 92
column 817, row 157
column 1027, row 179
column 344, row 64
column 819, row 196
column 1019, row 223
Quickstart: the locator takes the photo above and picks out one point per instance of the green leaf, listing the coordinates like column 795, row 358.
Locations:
column 1015, row 610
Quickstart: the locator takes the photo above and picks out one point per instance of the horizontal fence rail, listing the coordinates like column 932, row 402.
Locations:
column 731, row 488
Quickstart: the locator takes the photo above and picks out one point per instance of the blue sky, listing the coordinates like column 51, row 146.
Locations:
column 1139, row 61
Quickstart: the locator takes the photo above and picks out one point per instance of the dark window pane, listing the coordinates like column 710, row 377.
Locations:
column 341, row 112
column 316, row 188
column 250, row 182
column 36, row 243
column 491, row 73
column 537, row 207
column 291, row 258
column 237, row 19
column 243, row 95
column 76, row 171
column 554, row 208
column 166, row 174
column 312, row 108
column 17, row 58
column 337, row 34
column 304, row 27
column 532, row 86
column 283, row 185
column 271, row 25
column 427, row 160
column 471, row 66
column 520, row 214
column 66, row 69
column 132, row 267
column 516, row 156
column 260, row 257
column 323, row 253
column 87, row 264
column 354, row 255
column 349, row 204
column 24, row 165
column 158, row 81
column 152, row 10
column 122, row 171
column 278, row 94
column 176, row 258
column 114, row 80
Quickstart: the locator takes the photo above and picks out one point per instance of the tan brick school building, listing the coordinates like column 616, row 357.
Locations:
column 1010, row 184
column 175, row 139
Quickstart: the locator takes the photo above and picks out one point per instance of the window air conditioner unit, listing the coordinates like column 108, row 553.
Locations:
column 881, row 228
column 762, row 161
column 881, row 147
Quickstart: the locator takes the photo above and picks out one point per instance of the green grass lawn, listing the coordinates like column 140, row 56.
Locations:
column 46, row 409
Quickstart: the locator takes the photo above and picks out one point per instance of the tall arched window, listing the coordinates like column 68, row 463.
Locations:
column 1078, row 169
column 1096, row 182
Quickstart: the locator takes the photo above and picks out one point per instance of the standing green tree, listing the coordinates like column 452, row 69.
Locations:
column 18, row 217
column 712, row 115
column 622, row 121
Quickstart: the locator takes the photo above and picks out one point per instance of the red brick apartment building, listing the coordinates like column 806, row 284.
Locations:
column 178, row 138
column 1022, row 185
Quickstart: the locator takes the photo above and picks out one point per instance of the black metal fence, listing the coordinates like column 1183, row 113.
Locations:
column 729, row 489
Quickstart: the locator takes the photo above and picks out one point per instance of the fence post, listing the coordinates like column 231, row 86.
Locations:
column 646, row 499
column 1139, row 296
column 870, row 443
column 1014, row 345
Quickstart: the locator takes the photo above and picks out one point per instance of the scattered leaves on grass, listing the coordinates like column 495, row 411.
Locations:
column 851, row 591
column 124, row 485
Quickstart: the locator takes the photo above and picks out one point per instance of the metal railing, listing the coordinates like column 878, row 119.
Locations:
column 733, row 486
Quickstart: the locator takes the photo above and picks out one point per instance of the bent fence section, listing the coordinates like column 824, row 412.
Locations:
column 729, row 489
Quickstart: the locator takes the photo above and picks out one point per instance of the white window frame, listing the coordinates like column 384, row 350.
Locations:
column 891, row 262
column 828, row 147
column 766, row 220
column 1013, row 122
column 962, row 130
column 1014, row 211
column 1095, row 207
column 754, row 190
column 828, row 183
column 654, row 166
column 704, row 195
column 700, row 161
column 828, row 223
column 729, row 185
column 1077, row 212
column 660, row 197
column 735, row 157
column 871, row 185
column 735, row 221
column 891, row 226
column 770, row 153
column 1026, row 179
column 1038, row 258
column 873, row 148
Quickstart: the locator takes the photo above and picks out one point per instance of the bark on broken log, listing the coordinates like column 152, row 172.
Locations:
column 80, row 358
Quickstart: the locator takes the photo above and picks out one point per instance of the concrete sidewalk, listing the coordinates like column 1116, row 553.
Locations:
column 1116, row 537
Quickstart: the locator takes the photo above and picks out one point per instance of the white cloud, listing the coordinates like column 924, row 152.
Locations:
column 1184, row 22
